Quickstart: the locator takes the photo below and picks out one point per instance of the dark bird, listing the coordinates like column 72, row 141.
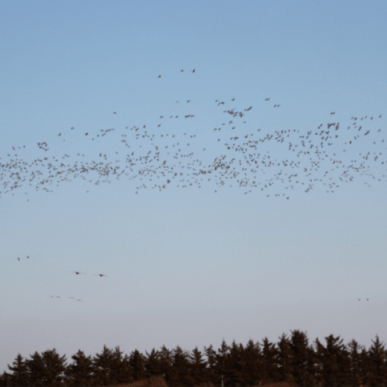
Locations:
column 193, row 70
column 102, row 275
column 159, row 76
column 78, row 272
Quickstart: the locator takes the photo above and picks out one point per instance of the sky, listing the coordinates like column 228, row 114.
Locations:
column 189, row 266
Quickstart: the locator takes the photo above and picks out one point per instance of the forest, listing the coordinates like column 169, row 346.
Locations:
column 293, row 359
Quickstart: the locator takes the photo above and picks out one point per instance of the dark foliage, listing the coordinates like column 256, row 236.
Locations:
column 291, row 360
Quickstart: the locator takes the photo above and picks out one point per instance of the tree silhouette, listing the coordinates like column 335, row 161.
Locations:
column 4, row 379
column 377, row 364
column 102, row 367
column 291, row 360
column 121, row 370
column 137, row 365
column 152, row 364
column 253, row 362
column 20, row 376
column 284, row 359
column 35, row 368
column 333, row 362
column 355, row 364
column 222, row 363
column 181, row 366
column 269, row 370
column 211, row 365
column 198, row 370
column 80, row 371
column 166, row 367
column 302, row 359
column 236, row 361
column 54, row 368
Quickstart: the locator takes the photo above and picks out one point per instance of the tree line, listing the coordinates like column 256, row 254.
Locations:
column 292, row 359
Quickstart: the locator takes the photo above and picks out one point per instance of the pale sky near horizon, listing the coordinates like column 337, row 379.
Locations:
column 188, row 267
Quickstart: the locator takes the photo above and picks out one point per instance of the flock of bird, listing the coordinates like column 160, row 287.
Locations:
column 231, row 154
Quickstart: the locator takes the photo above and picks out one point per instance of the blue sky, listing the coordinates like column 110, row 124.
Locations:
column 188, row 266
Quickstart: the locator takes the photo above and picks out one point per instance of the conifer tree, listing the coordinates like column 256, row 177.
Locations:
column 222, row 369
column 211, row 364
column 125, row 371
column 79, row 373
column 355, row 378
column 36, row 369
column 236, row 360
column 333, row 361
column 284, row 359
column 152, row 364
column 102, row 367
column 197, row 367
column 269, row 371
column 377, row 366
column 121, row 371
column 54, row 368
column 302, row 359
column 137, row 365
column 166, row 367
column 5, row 379
column 253, row 360
column 19, row 376
column 181, row 366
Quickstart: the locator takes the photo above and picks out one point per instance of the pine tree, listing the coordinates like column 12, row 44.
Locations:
column 80, row 372
column 284, row 359
column 211, row 365
column 137, row 365
column 253, row 361
column 35, row 366
column 355, row 364
column 377, row 375
column 102, row 367
column 19, row 376
column 237, row 365
column 125, row 370
column 152, row 364
column 166, row 367
column 181, row 366
column 54, row 368
column 269, row 373
column 197, row 367
column 222, row 369
column 121, row 371
column 302, row 359
column 334, row 362
column 5, row 379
